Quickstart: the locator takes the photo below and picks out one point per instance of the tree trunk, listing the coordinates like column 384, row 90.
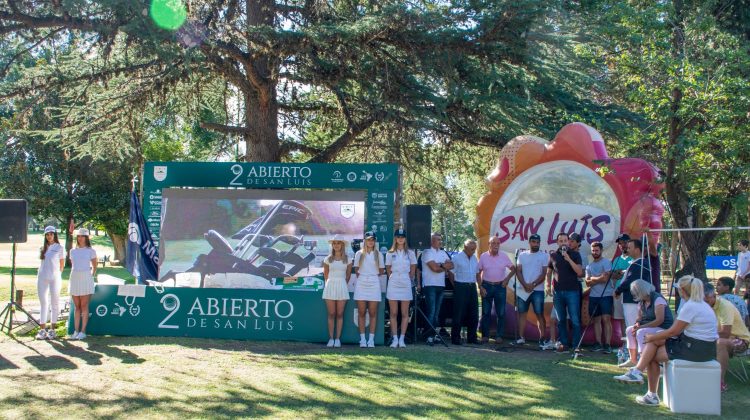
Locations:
column 119, row 244
column 261, row 109
column 68, row 239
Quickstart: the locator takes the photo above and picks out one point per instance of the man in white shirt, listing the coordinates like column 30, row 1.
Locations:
column 466, row 273
column 743, row 266
column 531, row 271
column 435, row 264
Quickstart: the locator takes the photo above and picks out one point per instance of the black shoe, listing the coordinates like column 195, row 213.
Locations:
column 607, row 349
column 456, row 342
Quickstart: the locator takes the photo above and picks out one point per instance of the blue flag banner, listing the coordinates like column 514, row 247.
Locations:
column 142, row 256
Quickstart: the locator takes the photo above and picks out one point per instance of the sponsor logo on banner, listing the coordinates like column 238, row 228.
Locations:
column 134, row 234
column 514, row 226
column 347, row 210
column 351, row 177
column 337, row 177
column 160, row 173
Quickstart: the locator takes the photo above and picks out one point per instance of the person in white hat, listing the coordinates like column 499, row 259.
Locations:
column 401, row 265
column 337, row 270
column 49, row 281
column 83, row 259
column 370, row 265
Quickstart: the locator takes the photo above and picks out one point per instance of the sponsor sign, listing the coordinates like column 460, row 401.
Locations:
column 219, row 313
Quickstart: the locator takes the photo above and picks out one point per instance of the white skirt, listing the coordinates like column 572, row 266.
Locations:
column 368, row 288
column 81, row 283
column 399, row 287
column 335, row 289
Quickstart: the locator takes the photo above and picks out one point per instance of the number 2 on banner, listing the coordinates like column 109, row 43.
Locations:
column 170, row 302
column 237, row 170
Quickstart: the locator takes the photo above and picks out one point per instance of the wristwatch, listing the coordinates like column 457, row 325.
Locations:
column 441, row 265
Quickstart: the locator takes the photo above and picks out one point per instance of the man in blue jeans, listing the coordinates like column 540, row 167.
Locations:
column 435, row 265
column 566, row 264
column 496, row 269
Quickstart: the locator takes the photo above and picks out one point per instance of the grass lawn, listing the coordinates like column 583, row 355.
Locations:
column 177, row 378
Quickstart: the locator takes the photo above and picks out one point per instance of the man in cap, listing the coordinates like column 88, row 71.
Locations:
column 531, row 270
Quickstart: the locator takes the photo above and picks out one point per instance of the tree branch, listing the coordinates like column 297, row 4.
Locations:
column 225, row 129
column 333, row 149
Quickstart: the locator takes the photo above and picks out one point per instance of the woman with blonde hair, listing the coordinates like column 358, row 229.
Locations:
column 401, row 265
column 49, row 281
column 654, row 316
column 81, row 286
column 370, row 265
column 337, row 269
column 696, row 333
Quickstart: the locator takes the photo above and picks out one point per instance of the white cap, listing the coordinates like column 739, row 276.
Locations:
column 83, row 232
column 50, row 229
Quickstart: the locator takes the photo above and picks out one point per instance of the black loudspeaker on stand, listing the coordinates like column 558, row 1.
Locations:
column 12, row 231
column 418, row 224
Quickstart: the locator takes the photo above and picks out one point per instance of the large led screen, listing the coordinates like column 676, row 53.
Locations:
column 252, row 238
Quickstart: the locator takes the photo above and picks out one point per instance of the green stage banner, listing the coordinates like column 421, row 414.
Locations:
column 245, row 314
column 379, row 180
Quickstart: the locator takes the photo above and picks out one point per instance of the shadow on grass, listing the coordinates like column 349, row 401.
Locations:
column 6, row 364
column 229, row 378
column 88, row 357
column 47, row 363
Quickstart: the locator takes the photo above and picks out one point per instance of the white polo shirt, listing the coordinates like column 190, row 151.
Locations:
column 429, row 277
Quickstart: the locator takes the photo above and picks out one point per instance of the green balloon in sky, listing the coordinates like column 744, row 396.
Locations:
column 168, row 14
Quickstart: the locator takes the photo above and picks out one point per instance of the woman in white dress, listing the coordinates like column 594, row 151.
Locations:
column 49, row 281
column 337, row 269
column 83, row 259
column 400, row 264
column 370, row 265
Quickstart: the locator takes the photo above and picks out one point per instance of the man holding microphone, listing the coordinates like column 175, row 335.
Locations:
column 566, row 290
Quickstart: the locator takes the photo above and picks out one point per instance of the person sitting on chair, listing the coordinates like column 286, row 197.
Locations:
column 733, row 334
column 695, row 327
column 654, row 316
column 724, row 287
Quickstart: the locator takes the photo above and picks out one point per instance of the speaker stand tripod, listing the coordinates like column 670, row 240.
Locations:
column 7, row 313
column 417, row 309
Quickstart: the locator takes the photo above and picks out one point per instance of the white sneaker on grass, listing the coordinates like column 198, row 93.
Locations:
column 362, row 342
column 630, row 377
column 330, row 342
column 521, row 341
column 648, row 399
column 371, row 342
column 81, row 336
column 41, row 335
column 401, row 342
column 394, row 342
column 51, row 335
column 548, row 345
column 337, row 343
column 626, row 364
column 73, row 336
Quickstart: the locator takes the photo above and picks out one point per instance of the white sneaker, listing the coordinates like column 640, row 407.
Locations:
column 362, row 342
column 548, row 345
column 648, row 400
column 74, row 336
column 337, row 343
column 51, row 335
column 81, row 336
column 371, row 342
column 630, row 377
column 394, row 342
column 401, row 342
column 521, row 341
column 626, row 364
column 330, row 342
column 41, row 335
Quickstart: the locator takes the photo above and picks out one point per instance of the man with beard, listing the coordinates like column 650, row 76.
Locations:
column 531, row 269
column 600, row 297
column 566, row 296
column 619, row 268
